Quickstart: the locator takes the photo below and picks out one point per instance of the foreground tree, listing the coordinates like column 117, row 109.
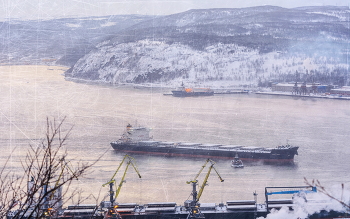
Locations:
column 37, row 191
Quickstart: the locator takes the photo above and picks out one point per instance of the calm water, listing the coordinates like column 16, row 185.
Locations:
column 100, row 113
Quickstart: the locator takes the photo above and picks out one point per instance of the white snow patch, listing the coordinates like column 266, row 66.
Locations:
column 341, row 15
column 73, row 25
column 108, row 24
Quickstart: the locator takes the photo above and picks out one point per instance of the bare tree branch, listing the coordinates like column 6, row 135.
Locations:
column 323, row 190
column 45, row 172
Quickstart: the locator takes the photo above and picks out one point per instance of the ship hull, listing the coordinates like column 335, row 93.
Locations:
column 191, row 94
column 272, row 156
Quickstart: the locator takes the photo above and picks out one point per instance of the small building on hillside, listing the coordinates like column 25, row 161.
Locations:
column 284, row 87
column 343, row 91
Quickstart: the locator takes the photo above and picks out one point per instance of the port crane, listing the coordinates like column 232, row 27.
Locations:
column 130, row 161
column 194, row 204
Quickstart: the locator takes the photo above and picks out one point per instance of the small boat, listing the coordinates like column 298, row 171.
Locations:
column 237, row 163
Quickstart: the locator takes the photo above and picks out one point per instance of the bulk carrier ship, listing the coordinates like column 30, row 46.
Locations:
column 138, row 141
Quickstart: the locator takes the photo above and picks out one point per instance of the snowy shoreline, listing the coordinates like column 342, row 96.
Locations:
column 323, row 96
column 213, row 85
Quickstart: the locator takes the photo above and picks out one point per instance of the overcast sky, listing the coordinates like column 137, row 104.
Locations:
column 50, row 9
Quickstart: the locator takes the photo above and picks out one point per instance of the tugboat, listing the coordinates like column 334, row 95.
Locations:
column 237, row 163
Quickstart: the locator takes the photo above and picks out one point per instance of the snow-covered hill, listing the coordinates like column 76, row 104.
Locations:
column 226, row 47
column 219, row 65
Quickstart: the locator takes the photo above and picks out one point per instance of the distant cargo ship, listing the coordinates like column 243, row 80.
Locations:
column 137, row 140
column 189, row 92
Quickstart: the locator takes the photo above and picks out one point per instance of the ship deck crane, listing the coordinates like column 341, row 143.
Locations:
column 111, row 182
column 194, row 205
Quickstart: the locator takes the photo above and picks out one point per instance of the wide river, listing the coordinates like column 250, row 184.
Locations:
column 99, row 113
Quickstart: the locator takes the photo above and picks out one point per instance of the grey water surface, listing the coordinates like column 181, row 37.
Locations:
column 99, row 114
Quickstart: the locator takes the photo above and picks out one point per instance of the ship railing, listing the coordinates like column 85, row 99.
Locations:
column 251, row 148
column 184, row 144
column 230, row 146
column 252, row 151
column 167, row 144
column 125, row 141
column 148, row 143
column 262, row 152
column 209, row 146
column 241, row 150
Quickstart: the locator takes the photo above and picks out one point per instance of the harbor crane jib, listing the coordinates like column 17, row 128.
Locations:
column 194, row 205
column 130, row 161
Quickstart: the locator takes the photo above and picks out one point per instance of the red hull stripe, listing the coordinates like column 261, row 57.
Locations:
column 206, row 156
